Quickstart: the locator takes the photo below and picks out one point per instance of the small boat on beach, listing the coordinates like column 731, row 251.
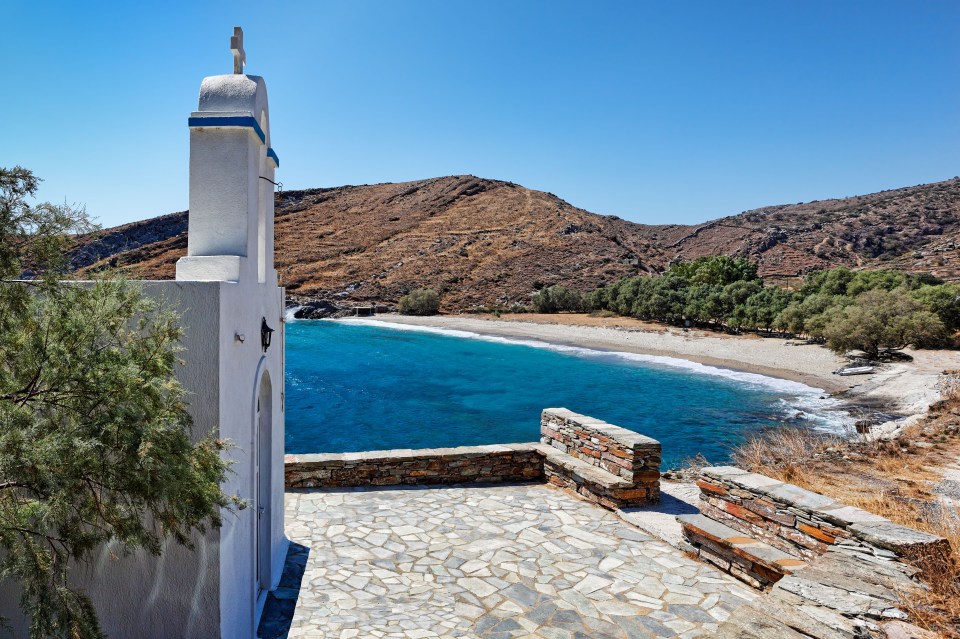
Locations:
column 855, row 370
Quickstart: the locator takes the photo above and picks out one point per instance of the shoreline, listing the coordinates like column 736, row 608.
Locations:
column 903, row 389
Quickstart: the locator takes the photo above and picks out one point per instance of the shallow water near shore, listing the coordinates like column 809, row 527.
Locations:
column 354, row 385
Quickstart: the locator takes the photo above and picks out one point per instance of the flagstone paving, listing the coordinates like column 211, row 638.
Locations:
column 493, row 563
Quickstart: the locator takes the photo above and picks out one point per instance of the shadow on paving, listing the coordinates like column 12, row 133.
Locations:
column 668, row 505
column 281, row 603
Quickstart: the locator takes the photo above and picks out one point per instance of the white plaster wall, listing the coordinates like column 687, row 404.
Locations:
column 255, row 162
column 264, row 249
column 243, row 304
column 177, row 593
column 221, row 160
column 230, row 214
column 279, row 543
column 235, row 92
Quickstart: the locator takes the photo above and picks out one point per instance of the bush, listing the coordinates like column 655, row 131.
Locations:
column 422, row 301
column 557, row 299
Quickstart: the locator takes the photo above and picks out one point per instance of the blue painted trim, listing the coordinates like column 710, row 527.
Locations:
column 239, row 120
column 273, row 154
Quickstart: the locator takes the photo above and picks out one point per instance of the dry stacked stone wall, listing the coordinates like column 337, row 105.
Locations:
column 462, row 465
column 610, row 465
column 804, row 523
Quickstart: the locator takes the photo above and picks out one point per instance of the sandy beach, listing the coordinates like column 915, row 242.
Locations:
column 902, row 388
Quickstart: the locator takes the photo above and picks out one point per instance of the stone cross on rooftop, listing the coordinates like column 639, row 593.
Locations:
column 236, row 45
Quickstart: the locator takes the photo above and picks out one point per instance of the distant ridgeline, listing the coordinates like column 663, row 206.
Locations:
column 492, row 244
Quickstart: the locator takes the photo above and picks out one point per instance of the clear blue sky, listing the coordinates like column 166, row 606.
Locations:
column 656, row 112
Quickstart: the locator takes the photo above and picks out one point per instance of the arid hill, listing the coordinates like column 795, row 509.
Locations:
column 480, row 241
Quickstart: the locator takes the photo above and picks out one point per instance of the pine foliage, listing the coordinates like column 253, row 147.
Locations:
column 96, row 444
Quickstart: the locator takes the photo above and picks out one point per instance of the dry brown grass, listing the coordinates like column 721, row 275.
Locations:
column 893, row 479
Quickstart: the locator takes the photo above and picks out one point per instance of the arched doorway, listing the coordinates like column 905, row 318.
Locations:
column 263, row 443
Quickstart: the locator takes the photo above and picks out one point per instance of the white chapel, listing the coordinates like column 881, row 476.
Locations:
column 232, row 315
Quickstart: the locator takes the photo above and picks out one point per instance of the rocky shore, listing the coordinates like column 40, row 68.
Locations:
column 331, row 309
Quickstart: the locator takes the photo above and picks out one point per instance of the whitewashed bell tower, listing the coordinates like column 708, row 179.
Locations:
column 231, row 312
column 232, row 168
column 230, row 242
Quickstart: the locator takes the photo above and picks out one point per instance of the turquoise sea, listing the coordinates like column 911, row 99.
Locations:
column 354, row 385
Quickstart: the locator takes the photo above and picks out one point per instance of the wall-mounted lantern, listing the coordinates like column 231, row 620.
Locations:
column 266, row 334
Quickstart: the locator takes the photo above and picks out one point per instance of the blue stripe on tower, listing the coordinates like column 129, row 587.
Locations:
column 237, row 120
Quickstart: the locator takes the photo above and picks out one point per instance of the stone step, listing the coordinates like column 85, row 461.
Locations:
column 746, row 558
column 581, row 470
column 593, row 483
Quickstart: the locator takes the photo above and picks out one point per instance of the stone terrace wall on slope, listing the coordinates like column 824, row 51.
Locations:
column 462, row 465
column 804, row 523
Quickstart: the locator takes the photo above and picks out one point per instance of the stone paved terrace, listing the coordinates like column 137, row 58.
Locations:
column 493, row 562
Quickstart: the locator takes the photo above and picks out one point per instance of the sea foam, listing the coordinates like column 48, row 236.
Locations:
column 814, row 406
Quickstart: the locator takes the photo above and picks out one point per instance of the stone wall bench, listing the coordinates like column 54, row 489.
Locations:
column 745, row 515
column 805, row 523
column 611, row 466
column 607, row 464
column 748, row 559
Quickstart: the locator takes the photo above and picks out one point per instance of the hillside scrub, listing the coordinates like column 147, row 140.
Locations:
column 448, row 233
column 871, row 311
column 896, row 479
column 422, row 301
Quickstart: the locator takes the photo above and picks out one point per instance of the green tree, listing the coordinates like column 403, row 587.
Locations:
column 558, row 299
column 663, row 299
column 627, row 293
column 714, row 269
column 723, row 291
column 95, row 439
column 885, row 279
column 734, row 299
column 761, row 309
column 831, row 282
column 880, row 319
column 704, row 303
column 809, row 315
column 422, row 301
column 942, row 299
column 597, row 299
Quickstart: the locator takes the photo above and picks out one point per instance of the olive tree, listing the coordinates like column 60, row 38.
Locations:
column 880, row 319
column 557, row 299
